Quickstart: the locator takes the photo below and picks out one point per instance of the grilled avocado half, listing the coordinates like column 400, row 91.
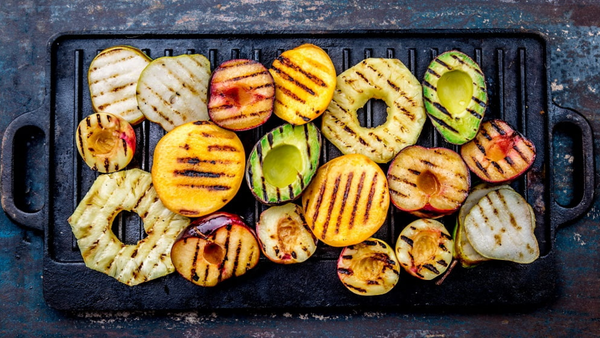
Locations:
column 283, row 162
column 455, row 96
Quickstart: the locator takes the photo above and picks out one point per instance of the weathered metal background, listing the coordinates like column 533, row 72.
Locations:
column 574, row 36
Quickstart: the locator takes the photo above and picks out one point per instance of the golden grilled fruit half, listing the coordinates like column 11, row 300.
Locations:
column 129, row 190
column 173, row 90
column 375, row 78
column 304, row 83
column 347, row 200
column 112, row 77
column 198, row 168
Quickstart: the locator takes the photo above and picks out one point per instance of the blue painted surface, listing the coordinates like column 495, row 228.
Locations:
column 571, row 28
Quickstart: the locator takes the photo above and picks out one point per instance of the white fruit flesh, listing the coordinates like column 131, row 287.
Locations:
column 173, row 90
column 369, row 268
column 106, row 142
column 284, row 235
column 424, row 248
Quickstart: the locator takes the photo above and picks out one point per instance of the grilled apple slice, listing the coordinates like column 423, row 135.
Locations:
column 304, row 83
column 106, row 142
column 198, row 168
column 113, row 76
column 242, row 93
column 369, row 268
column 424, row 248
column 347, row 201
column 428, row 182
column 284, row 236
column 375, row 78
column 173, row 90
column 501, row 226
column 214, row 248
column 499, row 153
column 283, row 162
column 102, row 251
column 455, row 96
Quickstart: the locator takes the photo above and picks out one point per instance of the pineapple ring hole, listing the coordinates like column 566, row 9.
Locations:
column 126, row 227
column 213, row 253
column 104, row 141
column 428, row 183
column 376, row 110
column 282, row 165
column 455, row 91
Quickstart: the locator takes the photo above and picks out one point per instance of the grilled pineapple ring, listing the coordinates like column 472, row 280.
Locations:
column 385, row 79
column 102, row 251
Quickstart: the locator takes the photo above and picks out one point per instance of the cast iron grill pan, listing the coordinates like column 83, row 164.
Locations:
column 515, row 67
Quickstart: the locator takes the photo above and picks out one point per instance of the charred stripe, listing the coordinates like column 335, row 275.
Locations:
column 443, row 124
column 344, row 201
column 407, row 240
column 198, row 173
column 289, row 63
column 356, row 199
column 205, row 187
column 219, row 147
column 431, row 268
column 479, row 102
column 480, row 167
column 318, row 202
column 331, row 205
column 371, row 194
column 433, row 72
column 497, row 166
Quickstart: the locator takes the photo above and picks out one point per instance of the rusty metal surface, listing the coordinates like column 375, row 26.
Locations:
column 574, row 38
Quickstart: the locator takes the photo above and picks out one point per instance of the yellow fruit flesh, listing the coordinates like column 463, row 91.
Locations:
column 282, row 165
column 104, row 142
column 214, row 253
column 455, row 90
column 428, row 183
column 425, row 247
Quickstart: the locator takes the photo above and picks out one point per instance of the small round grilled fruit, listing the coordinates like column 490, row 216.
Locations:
column 428, row 182
column 173, row 90
column 102, row 251
column 304, row 83
column 242, row 93
column 112, row 77
column 424, row 248
column 455, row 96
column 198, row 168
column 501, row 226
column 369, row 268
column 463, row 250
column 214, row 248
column 106, row 142
column 374, row 78
column 283, row 162
column 347, row 200
column 498, row 153
column 284, row 236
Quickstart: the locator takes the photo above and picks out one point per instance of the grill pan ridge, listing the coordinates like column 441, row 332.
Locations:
column 514, row 63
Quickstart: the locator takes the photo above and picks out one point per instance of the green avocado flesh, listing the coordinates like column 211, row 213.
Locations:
column 455, row 96
column 283, row 162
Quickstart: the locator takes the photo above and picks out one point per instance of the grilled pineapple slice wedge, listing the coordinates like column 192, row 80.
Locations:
column 173, row 90
column 375, row 78
column 113, row 76
column 102, row 251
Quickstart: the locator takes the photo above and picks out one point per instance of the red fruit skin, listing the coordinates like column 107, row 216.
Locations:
column 205, row 226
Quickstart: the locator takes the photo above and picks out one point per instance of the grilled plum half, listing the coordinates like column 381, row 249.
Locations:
column 284, row 236
column 424, row 248
column 242, row 93
column 283, row 162
column 369, row 268
column 499, row 153
column 455, row 96
column 428, row 182
column 214, row 248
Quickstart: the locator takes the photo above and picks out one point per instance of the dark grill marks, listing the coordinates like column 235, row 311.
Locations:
column 292, row 80
column 432, row 72
column 331, row 205
column 344, row 201
column 429, row 85
column 222, row 148
column 295, row 67
column 291, row 94
column 443, row 63
column 479, row 146
column 246, row 76
column 442, row 109
column 355, row 204
column 480, row 167
column 205, row 187
column 193, row 273
column 318, row 202
column 407, row 240
column 479, row 102
column 443, row 124
column 202, row 174
column 497, row 166
column 474, row 113
column 431, row 268
column 196, row 160
column 498, row 128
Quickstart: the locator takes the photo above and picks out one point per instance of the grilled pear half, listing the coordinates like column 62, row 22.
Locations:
column 102, row 251
column 375, row 78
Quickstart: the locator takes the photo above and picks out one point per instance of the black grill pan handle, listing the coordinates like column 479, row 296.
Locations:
column 31, row 219
column 564, row 214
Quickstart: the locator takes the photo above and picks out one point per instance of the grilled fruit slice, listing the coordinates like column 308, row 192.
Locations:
column 106, row 142
column 304, row 83
column 102, row 251
column 463, row 250
column 242, row 93
column 347, row 201
column 283, row 162
column 385, row 79
column 284, row 236
column 198, row 168
column 173, row 90
column 424, row 248
column 499, row 153
column 369, row 268
column 501, row 226
column 455, row 96
column 214, row 248
column 112, row 77
column 428, row 182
